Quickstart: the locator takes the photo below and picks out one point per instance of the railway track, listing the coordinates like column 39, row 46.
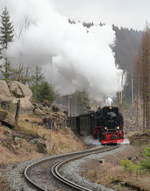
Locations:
column 45, row 175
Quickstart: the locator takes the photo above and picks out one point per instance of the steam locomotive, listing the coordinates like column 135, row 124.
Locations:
column 106, row 124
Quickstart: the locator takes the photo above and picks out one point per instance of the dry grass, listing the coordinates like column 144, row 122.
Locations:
column 17, row 152
column 57, row 141
column 63, row 141
column 104, row 174
column 20, row 149
column 140, row 138
column 4, row 132
column 28, row 124
column 111, row 174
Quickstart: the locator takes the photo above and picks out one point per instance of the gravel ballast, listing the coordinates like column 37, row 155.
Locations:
column 72, row 170
column 14, row 174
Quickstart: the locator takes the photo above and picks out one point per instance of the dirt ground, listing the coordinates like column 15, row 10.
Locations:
column 110, row 173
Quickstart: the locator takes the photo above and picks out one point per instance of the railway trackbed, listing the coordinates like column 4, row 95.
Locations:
column 45, row 175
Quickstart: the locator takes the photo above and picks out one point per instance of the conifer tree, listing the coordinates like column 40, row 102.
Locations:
column 6, row 36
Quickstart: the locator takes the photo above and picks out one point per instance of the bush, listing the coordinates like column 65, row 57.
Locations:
column 147, row 152
column 145, row 164
column 129, row 165
column 43, row 92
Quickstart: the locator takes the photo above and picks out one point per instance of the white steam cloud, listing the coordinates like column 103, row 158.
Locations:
column 71, row 58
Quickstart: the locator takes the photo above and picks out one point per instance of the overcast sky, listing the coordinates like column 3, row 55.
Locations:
column 127, row 13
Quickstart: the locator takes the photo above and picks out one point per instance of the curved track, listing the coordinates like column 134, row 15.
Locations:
column 45, row 175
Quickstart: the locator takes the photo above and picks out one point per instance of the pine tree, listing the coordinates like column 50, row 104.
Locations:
column 43, row 92
column 6, row 36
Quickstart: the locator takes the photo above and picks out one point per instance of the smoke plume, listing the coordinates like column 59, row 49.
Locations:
column 71, row 58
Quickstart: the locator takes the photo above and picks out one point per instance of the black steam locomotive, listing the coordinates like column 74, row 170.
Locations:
column 106, row 124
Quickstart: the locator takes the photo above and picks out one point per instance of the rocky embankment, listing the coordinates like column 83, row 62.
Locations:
column 29, row 130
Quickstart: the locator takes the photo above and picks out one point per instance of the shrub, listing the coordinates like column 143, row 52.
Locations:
column 147, row 152
column 129, row 165
column 145, row 164
column 43, row 92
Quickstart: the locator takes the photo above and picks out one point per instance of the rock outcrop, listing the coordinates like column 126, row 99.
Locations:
column 55, row 120
column 19, row 90
column 52, row 117
column 3, row 115
column 12, row 91
column 5, row 94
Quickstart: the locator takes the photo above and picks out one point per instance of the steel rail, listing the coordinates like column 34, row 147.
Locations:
column 55, row 169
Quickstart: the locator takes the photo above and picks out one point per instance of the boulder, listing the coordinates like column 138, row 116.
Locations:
column 12, row 91
column 4, row 90
column 26, row 104
column 38, row 111
column 55, row 120
column 7, row 118
column 3, row 115
column 19, row 90
column 41, row 146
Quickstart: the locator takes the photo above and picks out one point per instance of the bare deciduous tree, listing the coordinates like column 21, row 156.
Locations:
column 143, row 79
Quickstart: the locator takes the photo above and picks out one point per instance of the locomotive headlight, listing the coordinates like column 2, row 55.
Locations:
column 106, row 128
column 118, row 127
